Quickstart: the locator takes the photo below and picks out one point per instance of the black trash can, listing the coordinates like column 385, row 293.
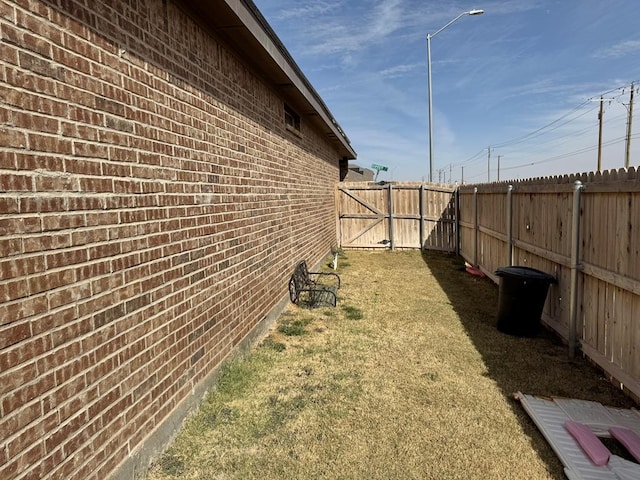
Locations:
column 523, row 291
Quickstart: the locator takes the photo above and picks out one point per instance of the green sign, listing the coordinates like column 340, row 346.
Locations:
column 375, row 166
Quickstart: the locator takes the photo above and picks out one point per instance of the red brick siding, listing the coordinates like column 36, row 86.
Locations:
column 152, row 204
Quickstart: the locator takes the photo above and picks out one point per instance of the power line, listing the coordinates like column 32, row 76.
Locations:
column 575, row 133
column 555, row 123
column 569, row 154
column 472, row 157
column 561, row 156
column 517, row 140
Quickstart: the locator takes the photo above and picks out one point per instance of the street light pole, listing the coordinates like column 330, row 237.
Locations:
column 429, row 37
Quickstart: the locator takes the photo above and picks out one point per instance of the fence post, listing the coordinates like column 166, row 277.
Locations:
column 475, row 226
column 338, row 222
column 575, row 267
column 456, row 225
column 422, row 216
column 391, row 239
column 510, row 224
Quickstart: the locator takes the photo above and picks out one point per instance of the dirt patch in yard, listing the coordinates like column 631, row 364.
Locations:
column 407, row 378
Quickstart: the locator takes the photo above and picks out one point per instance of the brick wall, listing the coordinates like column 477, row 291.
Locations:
column 152, row 206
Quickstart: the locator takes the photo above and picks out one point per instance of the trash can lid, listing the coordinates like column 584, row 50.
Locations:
column 527, row 273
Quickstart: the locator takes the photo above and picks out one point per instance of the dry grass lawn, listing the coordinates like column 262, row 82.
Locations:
column 407, row 378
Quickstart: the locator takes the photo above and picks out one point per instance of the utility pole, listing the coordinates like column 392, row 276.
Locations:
column 628, row 147
column 462, row 175
column 600, row 115
column 499, row 156
column 488, row 164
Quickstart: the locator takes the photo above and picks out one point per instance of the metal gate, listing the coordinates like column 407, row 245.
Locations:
column 397, row 215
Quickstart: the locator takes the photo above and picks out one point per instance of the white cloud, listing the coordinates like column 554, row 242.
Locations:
column 400, row 70
column 306, row 11
column 509, row 7
column 618, row 50
column 329, row 32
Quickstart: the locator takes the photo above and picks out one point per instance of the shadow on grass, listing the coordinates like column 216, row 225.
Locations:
column 538, row 366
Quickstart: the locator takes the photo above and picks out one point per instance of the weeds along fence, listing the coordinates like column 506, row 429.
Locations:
column 584, row 230
column 396, row 215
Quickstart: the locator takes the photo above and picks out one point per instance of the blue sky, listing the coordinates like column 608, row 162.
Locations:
column 524, row 79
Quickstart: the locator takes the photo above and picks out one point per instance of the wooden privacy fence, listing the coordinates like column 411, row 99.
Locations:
column 399, row 215
column 585, row 231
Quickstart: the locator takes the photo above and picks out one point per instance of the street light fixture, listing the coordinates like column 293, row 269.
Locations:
column 429, row 37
